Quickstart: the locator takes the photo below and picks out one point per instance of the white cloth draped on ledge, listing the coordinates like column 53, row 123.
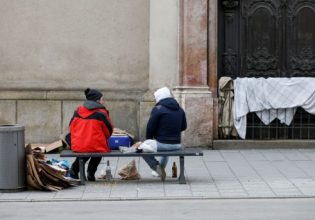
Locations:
column 271, row 98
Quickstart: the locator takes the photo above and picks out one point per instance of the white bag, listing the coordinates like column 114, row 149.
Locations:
column 148, row 146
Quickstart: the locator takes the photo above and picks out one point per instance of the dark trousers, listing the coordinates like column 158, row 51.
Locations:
column 92, row 167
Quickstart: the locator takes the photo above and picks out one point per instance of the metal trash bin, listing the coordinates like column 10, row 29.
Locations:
column 12, row 158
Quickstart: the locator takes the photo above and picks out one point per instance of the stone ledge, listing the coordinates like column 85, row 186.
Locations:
column 12, row 95
column 135, row 95
column 192, row 90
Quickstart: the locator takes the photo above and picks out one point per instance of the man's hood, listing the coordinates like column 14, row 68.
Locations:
column 162, row 93
column 169, row 103
column 88, row 108
column 92, row 105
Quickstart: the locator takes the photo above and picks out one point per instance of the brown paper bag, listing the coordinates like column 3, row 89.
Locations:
column 129, row 172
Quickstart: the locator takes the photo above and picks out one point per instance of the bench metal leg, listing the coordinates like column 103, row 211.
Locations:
column 82, row 171
column 181, row 178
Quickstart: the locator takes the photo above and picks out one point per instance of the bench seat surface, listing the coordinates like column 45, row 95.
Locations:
column 116, row 153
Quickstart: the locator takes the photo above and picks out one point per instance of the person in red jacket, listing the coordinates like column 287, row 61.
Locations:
column 90, row 128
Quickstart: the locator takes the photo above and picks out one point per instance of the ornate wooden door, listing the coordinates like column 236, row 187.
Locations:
column 268, row 38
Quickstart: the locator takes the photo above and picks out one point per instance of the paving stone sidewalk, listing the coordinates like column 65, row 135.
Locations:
column 218, row 174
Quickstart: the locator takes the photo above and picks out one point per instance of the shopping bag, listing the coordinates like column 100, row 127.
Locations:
column 129, row 171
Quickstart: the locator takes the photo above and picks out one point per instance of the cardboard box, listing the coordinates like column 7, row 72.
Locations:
column 116, row 141
column 53, row 146
column 45, row 148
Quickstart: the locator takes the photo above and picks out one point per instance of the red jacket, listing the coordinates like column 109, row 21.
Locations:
column 90, row 128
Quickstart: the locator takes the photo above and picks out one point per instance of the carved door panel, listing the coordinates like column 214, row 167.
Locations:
column 261, row 38
column 266, row 38
column 300, row 26
column 229, row 38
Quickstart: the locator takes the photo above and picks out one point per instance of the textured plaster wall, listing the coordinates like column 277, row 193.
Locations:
column 73, row 44
column 164, row 43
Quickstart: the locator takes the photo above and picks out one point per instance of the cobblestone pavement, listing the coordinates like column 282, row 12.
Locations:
column 267, row 173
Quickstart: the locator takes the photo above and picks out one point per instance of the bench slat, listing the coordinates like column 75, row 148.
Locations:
column 184, row 152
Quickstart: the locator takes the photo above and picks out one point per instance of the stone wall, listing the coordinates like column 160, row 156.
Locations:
column 69, row 45
column 50, row 51
column 46, row 115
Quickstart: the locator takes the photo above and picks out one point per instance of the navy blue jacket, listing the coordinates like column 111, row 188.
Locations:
column 166, row 122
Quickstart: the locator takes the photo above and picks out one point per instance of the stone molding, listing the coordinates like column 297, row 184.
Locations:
column 69, row 95
column 192, row 89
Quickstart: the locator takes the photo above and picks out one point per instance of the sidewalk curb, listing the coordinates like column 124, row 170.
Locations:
column 152, row 199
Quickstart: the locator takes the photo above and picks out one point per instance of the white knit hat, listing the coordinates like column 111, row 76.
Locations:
column 162, row 93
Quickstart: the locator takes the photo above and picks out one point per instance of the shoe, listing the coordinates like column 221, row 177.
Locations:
column 91, row 177
column 161, row 171
column 154, row 173
column 73, row 175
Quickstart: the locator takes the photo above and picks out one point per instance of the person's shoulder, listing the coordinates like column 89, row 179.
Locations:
column 157, row 109
column 79, row 107
column 103, row 110
column 181, row 109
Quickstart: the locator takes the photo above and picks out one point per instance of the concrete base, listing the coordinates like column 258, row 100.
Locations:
column 198, row 105
column 262, row 144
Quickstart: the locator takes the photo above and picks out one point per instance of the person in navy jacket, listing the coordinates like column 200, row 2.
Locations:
column 90, row 128
column 166, row 122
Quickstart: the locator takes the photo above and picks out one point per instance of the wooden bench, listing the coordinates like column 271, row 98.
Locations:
column 180, row 153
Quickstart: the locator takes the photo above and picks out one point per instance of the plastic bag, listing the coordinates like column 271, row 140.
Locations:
column 62, row 164
column 148, row 146
column 129, row 171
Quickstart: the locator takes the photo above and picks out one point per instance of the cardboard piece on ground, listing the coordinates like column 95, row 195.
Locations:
column 47, row 147
column 53, row 146
column 40, row 146
column 41, row 175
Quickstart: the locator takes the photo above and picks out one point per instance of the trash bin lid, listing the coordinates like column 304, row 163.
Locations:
column 11, row 127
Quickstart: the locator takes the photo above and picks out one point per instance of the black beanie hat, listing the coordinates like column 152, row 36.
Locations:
column 93, row 94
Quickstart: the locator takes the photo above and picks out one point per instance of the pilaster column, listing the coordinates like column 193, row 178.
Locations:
column 193, row 91
column 193, row 28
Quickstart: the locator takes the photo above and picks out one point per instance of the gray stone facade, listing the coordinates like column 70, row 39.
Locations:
column 50, row 51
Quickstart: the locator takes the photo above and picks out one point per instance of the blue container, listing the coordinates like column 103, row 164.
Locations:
column 119, row 141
